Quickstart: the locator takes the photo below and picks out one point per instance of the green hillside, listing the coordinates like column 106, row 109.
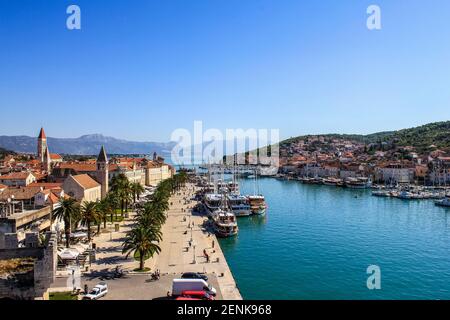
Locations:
column 421, row 138
column 4, row 152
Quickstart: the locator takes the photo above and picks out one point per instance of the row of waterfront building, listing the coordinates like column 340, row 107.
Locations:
column 383, row 163
column 30, row 188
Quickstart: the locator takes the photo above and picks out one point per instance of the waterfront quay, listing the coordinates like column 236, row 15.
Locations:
column 185, row 240
column 176, row 257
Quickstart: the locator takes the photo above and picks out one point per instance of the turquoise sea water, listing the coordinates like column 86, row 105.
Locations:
column 317, row 242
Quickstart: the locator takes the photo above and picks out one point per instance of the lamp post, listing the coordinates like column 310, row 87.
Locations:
column 194, row 255
column 8, row 211
column 12, row 204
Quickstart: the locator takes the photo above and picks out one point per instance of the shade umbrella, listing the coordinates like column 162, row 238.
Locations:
column 69, row 254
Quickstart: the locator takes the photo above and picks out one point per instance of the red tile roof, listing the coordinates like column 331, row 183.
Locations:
column 15, row 176
column 23, row 193
column 80, row 167
column 55, row 156
column 53, row 198
column 86, row 181
column 46, row 185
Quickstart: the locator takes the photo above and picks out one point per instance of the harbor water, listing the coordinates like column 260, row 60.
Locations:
column 317, row 242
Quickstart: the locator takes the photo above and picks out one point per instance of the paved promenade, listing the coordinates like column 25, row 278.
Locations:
column 178, row 253
column 179, row 256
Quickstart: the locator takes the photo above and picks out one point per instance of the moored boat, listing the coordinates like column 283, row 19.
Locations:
column 381, row 193
column 258, row 204
column 257, row 201
column 358, row 183
column 332, row 181
column 443, row 202
column 225, row 224
column 212, row 202
column 239, row 205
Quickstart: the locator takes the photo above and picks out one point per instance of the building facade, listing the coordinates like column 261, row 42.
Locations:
column 82, row 188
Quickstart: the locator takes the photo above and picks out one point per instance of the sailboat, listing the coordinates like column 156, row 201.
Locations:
column 257, row 201
column 238, row 203
column 225, row 224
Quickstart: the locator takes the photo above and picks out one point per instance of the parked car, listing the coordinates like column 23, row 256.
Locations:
column 97, row 292
column 202, row 295
column 181, row 285
column 185, row 298
column 194, row 275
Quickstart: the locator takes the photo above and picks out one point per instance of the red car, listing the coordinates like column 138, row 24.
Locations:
column 200, row 295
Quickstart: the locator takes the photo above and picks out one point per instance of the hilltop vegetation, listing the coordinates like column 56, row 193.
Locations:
column 4, row 152
column 421, row 138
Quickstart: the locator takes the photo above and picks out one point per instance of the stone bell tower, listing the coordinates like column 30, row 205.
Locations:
column 103, row 171
column 47, row 163
column 41, row 145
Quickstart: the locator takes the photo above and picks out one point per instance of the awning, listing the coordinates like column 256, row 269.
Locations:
column 68, row 254
column 79, row 234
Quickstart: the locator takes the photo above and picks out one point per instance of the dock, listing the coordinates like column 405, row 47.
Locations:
column 179, row 254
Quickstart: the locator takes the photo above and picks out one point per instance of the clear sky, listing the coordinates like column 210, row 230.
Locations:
column 140, row 69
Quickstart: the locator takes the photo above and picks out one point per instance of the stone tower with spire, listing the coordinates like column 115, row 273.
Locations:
column 47, row 162
column 42, row 146
column 103, row 172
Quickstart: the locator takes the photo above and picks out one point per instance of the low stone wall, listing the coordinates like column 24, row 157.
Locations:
column 21, row 253
column 19, row 287
column 36, row 282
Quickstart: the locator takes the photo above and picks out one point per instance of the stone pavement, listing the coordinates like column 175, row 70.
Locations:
column 109, row 248
column 133, row 287
column 176, row 256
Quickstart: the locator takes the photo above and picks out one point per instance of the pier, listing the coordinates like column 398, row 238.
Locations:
column 186, row 239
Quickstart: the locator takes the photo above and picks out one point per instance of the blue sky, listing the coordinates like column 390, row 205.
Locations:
column 140, row 69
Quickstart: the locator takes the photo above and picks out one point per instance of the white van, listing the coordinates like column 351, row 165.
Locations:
column 97, row 292
column 180, row 285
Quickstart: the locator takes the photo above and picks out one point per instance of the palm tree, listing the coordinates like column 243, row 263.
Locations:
column 120, row 186
column 114, row 201
column 89, row 214
column 67, row 210
column 153, row 213
column 142, row 242
column 106, row 208
column 137, row 189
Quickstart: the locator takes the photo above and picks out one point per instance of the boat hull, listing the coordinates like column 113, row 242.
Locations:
column 444, row 204
column 225, row 234
column 242, row 213
column 260, row 211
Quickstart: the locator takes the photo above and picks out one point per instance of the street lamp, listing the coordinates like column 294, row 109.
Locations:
column 194, row 255
column 12, row 204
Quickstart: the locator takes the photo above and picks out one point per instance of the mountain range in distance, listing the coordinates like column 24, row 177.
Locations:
column 85, row 145
column 421, row 138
